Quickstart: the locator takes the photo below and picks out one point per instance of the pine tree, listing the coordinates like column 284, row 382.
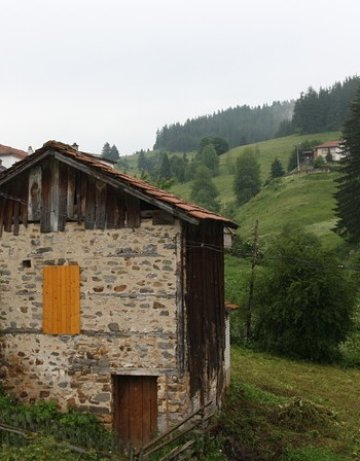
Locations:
column 105, row 153
column 208, row 157
column 247, row 181
column 277, row 169
column 114, row 153
column 203, row 191
column 165, row 170
column 142, row 161
column 348, row 194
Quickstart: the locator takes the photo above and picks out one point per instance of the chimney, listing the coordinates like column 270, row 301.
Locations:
column 30, row 150
column 75, row 146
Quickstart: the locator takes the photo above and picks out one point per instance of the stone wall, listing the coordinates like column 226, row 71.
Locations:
column 128, row 323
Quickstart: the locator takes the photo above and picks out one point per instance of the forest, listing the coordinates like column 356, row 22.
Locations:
column 313, row 112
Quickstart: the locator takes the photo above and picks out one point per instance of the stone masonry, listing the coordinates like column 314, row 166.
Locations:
column 128, row 320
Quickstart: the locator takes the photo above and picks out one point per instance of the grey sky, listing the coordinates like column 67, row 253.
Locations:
column 93, row 71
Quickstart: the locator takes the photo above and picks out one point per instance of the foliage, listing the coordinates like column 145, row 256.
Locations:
column 305, row 304
column 238, row 125
column 348, row 194
column 78, row 428
column 203, row 191
column 40, row 449
column 319, row 162
column 277, row 408
column 142, row 163
column 350, row 348
column 165, row 171
column 312, row 454
column 110, row 153
column 207, row 156
column 277, row 169
column 298, row 151
column 247, row 181
column 326, row 109
column 106, row 150
column 220, row 145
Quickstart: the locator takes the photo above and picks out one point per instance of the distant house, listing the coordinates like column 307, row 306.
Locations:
column 332, row 148
column 9, row 155
column 112, row 293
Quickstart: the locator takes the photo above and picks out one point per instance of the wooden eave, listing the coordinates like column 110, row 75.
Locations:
column 135, row 187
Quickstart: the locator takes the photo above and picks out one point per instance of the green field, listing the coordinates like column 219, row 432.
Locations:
column 267, row 151
column 284, row 410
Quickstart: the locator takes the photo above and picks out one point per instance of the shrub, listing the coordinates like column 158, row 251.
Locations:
column 305, row 305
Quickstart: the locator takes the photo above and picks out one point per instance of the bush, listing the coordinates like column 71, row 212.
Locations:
column 305, row 305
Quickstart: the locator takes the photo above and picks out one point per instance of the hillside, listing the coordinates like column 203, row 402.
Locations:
column 306, row 200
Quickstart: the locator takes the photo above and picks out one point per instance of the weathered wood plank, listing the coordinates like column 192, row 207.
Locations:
column 82, row 197
column 100, row 204
column 45, row 213
column 34, row 194
column 8, row 216
column 160, row 217
column 136, row 193
column 90, row 206
column 63, row 196
column 2, row 212
column 111, row 204
column 24, row 195
column 54, row 195
column 132, row 211
column 71, row 193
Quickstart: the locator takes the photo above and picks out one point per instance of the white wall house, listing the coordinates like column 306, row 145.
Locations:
column 331, row 147
column 9, row 155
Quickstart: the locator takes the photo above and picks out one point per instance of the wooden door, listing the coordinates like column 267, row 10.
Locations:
column 135, row 408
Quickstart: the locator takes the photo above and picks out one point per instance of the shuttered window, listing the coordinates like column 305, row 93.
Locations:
column 61, row 300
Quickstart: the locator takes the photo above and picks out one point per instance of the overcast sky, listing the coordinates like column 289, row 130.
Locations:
column 93, row 71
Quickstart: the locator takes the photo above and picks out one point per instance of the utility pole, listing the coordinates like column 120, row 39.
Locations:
column 297, row 157
column 248, row 331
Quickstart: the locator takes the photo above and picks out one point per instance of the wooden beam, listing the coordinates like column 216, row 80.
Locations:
column 117, row 184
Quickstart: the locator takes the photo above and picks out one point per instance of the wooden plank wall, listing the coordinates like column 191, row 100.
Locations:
column 204, row 297
column 53, row 193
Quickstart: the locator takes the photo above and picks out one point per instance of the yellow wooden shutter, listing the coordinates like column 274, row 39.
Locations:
column 61, row 300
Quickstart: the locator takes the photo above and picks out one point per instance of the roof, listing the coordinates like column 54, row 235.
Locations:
column 329, row 144
column 87, row 163
column 7, row 150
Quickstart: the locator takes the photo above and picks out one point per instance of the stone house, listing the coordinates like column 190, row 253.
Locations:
column 112, row 293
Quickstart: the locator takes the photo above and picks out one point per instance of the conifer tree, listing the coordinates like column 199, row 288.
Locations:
column 165, row 170
column 208, row 157
column 114, row 153
column 277, row 169
column 247, row 181
column 203, row 191
column 348, row 194
column 106, row 150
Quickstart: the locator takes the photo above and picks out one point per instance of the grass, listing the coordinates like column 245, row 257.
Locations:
column 283, row 410
column 305, row 200
column 266, row 153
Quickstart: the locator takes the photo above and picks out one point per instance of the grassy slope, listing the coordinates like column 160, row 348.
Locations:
column 305, row 200
column 268, row 150
column 273, row 407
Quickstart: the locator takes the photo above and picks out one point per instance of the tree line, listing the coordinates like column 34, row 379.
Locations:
column 313, row 112
column 238, row 125
column 323, row 110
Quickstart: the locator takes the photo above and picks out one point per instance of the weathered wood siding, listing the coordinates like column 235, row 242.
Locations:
column 204, row 266
column 53, row 193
